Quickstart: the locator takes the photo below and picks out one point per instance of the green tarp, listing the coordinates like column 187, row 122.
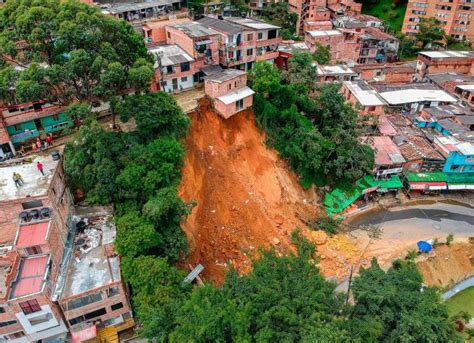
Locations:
column 457, row 179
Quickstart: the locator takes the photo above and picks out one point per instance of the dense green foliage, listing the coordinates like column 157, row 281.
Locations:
column 279, row 14
column 316, row 133
column 394, row 306
column 431, row 30
column 286, row 299
column 138, row 172
column 391, row 12
column 69, row 51
column 322, row 54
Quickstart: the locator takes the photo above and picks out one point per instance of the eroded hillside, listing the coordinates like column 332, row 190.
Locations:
column 246, row 198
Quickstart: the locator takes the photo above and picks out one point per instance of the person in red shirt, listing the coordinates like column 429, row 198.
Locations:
column 39, row 165
column 49, row 140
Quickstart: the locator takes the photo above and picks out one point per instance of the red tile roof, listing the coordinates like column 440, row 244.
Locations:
column 32, row 272
column 31, row 235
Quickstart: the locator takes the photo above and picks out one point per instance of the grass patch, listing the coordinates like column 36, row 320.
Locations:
column 463, row 301
column 392, row 18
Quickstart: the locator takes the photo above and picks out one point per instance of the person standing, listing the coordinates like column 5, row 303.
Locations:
column 39, row 145
column 39, row 165
column 20, row 178
column 16, row 180
column 49, row 140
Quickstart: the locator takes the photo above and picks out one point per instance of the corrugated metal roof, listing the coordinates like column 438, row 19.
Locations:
column 221, row 25
column 236, row 95
column 31, row 235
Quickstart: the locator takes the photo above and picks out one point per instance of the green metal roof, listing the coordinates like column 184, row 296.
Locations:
column 426, row 177
column 460, row 179
column 393, row 182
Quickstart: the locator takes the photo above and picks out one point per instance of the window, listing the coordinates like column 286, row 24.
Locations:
column 169, row 69
column 272, row 34
column 2, row 309
column 239, row 104
column 185, row 66
column 169, row 35
column 7, row 323
column 116, row 306
column 371, row 108
column 17, row 127
column 260, row 36
column 235, row 84
column 112, row 291
column 229, row 86
column 249, row 52
column 30, row 306
column 96, row 313
column 55, row 117
column 184, row 79
column 15, row 335
column 86, row 300
column 250, row 36
column 35, row 250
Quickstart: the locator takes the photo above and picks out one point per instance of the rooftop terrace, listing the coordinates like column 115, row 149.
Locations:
column 34, row 183
column 90, row 266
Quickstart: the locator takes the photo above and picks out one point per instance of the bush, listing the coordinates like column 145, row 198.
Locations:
column 449, row 239
column 326, row 224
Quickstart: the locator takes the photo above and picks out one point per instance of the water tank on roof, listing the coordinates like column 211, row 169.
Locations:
column 25, row 216
column 45, row 213
column 35, row 214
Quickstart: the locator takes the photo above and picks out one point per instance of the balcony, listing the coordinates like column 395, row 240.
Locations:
column 267, row 42
column 12, row 118
column 267, row 56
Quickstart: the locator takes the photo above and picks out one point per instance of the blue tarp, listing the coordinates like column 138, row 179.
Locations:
column 424, row 246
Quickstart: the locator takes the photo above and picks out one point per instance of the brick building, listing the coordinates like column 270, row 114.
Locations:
column 436, row 62
column 388, row 72
column 154, row 31
column 229, row 92
column 455, row 15
column 39, row 257
column 363, row 96
column 345, row 44
column 140, row 11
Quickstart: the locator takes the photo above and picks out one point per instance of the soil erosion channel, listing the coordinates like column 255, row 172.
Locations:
column 246, row 198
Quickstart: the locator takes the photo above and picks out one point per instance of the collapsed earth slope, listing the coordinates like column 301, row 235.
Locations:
column 246, row 198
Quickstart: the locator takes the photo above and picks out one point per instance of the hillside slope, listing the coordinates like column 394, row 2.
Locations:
column 246, row 198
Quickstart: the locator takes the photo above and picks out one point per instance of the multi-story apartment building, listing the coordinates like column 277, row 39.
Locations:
column 312, row 11
column 377, row 47
column 345, row 45
column 46, row 268
column 140, row 11
column 455, row 15
column 33, row 233
column 244, row 41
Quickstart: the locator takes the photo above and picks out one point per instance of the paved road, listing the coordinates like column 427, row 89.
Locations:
column 469, row 282
column 441, row 217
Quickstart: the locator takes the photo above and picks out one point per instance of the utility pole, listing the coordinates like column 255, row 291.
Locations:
column 349, row 285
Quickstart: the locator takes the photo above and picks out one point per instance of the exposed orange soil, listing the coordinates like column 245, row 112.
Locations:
column 450, row 265
column 246, row 198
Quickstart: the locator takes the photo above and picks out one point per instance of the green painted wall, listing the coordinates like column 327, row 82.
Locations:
column 19, row 135
column 51, row 125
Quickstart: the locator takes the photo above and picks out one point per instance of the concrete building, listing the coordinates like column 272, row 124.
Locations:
column 229, row 92
column 436, row 62
column 466, row 93
column 175, row 70
column 363, row 96
column 450, row 81
column 455, row 15
column 358, row 22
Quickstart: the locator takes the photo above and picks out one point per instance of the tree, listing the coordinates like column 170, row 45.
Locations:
column 263, row 78
column 135, row 236
column 322, row 54
column 301, row 70
column 431, row 30
column 78, row 111
column 282, row 299
column 394, row 306
column 88, row 55
column 155, row 114
column 279, row 14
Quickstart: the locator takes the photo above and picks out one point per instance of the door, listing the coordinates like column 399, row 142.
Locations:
column 175, row 84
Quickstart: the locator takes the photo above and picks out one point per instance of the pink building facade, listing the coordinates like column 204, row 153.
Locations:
column 228, row 92
column 363, row 97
